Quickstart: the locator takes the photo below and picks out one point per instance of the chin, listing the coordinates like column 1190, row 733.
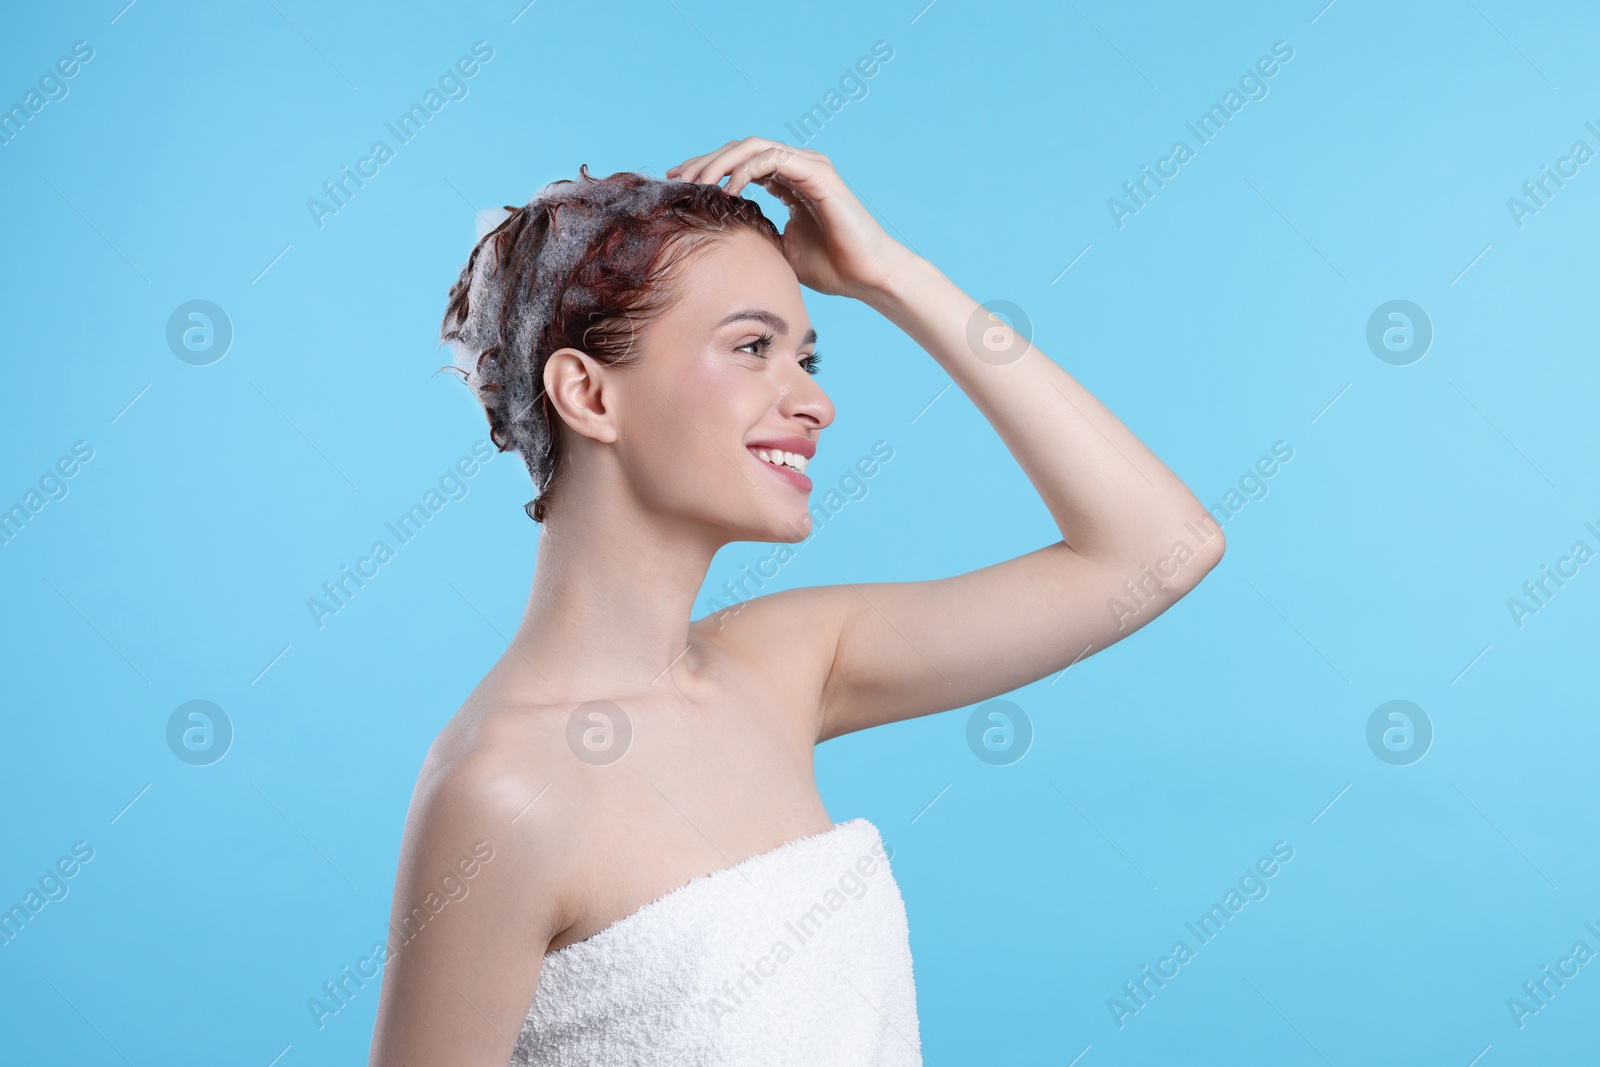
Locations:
column 794, row 530
column 790, row 525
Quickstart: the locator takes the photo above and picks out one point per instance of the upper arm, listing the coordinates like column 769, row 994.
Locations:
column 475, row 907
column 895, row 650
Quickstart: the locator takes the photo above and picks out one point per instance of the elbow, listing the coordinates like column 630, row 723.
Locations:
column 1188, row 554
column 1201, row 561
column 1206, row 558
column 1208, row 540
column 1197, row 547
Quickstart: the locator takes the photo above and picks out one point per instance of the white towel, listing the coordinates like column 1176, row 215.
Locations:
column 800, row 955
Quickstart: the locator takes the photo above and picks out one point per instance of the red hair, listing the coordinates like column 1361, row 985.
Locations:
column 587, row 264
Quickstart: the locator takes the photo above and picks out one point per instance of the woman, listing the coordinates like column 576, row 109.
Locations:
column 616, row 851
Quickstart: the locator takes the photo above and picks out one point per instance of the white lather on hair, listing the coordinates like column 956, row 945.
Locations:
column 488, row 219
column 512, row 383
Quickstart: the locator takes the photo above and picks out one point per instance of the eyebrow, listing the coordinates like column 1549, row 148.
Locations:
column 777, row 322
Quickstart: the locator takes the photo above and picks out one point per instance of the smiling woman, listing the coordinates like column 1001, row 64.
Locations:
column 666, row 882
column 578, row 272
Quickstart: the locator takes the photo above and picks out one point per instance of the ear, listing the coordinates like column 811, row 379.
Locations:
column 577, row 386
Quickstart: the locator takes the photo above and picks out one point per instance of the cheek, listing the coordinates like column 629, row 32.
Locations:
column 705, row 409
column 718, row 390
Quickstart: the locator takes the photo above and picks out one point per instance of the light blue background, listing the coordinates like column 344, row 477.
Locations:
column 1227, row 315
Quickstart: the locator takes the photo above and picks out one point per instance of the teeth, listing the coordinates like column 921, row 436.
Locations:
column 792, row 460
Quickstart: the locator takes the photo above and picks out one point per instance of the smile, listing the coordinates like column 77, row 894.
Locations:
column 779, row 458
column 789, row 466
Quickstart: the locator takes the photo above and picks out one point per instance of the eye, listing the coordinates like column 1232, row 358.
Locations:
column 764, row 343
column 760, row 344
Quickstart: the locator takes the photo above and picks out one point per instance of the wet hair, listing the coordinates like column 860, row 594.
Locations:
column 585, row 264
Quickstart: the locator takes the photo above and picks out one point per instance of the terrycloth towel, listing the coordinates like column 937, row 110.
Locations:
column 800, row 955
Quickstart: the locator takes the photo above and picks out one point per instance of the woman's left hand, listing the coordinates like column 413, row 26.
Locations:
column 831, row 242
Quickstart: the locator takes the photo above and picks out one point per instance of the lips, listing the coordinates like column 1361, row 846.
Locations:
column 802, row 445
column 799, row 445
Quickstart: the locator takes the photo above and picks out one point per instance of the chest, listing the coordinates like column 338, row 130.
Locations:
column 697, row 788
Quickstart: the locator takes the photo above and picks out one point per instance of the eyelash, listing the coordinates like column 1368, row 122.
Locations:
column 811, row 363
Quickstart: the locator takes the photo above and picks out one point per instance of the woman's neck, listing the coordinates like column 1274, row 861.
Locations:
column 610, row 606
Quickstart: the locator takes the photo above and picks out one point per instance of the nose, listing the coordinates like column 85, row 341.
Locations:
column 803, row 399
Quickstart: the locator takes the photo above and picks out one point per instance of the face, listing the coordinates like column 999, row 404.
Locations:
column 724, row 378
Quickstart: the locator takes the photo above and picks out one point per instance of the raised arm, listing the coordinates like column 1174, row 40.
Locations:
column 1134, row 539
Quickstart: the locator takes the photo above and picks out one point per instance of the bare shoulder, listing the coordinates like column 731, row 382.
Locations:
column 481, row 890
column 490, row 748
column 788, row 639
column 491, row 779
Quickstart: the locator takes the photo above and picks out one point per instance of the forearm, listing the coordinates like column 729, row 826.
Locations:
column 1111, row 497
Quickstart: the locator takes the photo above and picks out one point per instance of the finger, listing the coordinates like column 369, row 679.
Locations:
column 687, row 167
column 687, row 170
column 711, row 167
column 811, row 153
column 768, row 171
column 806, row 175
column 780, row 188
column 691, row 167
column 761, row 160
column 722, row 163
